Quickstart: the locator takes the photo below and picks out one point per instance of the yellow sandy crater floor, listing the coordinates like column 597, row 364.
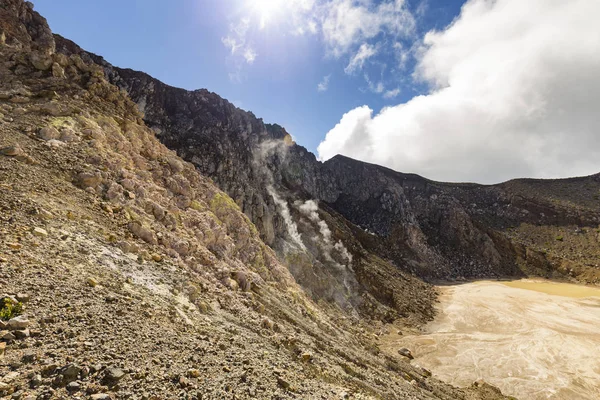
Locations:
column 532, row 339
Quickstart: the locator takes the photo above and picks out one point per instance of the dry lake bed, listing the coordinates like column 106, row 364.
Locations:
column 532, row 339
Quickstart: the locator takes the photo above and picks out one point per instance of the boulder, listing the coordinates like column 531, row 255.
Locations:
column 49, row 133
column 12, row 151
column 70, row 373
column 41, row 61
column 89, row 180
column 142, row 232
column 58, row 71
column 7, row 336
column 406, row 353
column 18, row 323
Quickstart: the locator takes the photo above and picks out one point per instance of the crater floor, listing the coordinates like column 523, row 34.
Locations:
column 532, row 339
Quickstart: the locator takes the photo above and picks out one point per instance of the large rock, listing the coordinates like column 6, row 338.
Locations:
column 12, row 151
column 69, row 373
column 41, row 61
column 143, row 232
column 18, row 323
column 49, row 133
column 404, row 352
column 89, row 179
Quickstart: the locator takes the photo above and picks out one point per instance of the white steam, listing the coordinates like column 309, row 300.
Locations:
column 266, row 149
column 284, row 210
column 310, row 209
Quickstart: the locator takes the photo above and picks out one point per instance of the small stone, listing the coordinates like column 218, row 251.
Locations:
column 92, row 282
column 73, row 387
column 70, row 373
column 36, row 381
column 10, row 377
column 203, row 307
column 232, row 284
column 7, row 336
column 283, row 383
column 183, row 382
column 2, row 349
column 267, row 324
column 100, row 396
column 55, row 143
column 156, row 257
column 306, row 357
column 193, row 373
column 4, row 388
column 113, row 375
column 24, row 334
column 423, row 371
column 49, row 369
column 18, row 323
column 19, row 100
column 39, row 232
column 15, row 246
column 406, row 353
column 29, row 358
column 23, row 297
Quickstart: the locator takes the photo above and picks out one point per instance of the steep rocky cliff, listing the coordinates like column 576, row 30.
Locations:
column 387, row 221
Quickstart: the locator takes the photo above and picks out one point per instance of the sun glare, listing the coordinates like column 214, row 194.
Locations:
column 267, row 9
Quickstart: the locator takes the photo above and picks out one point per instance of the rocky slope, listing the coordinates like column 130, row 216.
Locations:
column 140, row 279
column 387, row 221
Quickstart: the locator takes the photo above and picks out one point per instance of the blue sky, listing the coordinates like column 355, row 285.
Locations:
column 473, row 90
column 181, row 43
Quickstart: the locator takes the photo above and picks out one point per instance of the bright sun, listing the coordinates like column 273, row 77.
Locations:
column 267, row 9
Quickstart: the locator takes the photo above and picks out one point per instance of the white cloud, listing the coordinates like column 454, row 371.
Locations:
column 357, row 62
column 324, row 84
column 231, row 44
column 346, row 23
column 390, row 94
column 422, row 8
column 352, row 29
column 515, row 91
column 402, row 55
column 375, row 87
column 240, row 50
column 250, row 55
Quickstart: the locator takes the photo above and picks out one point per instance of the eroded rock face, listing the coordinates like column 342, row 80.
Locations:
column 33, row 31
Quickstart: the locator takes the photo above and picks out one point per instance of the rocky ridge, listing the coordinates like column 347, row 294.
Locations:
column 140, row 279
column 395, row 226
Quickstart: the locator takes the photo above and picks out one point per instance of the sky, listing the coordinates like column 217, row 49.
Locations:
column 454, row 90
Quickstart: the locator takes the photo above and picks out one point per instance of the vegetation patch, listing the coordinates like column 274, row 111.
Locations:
column 222, row 203
column 10, row 308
